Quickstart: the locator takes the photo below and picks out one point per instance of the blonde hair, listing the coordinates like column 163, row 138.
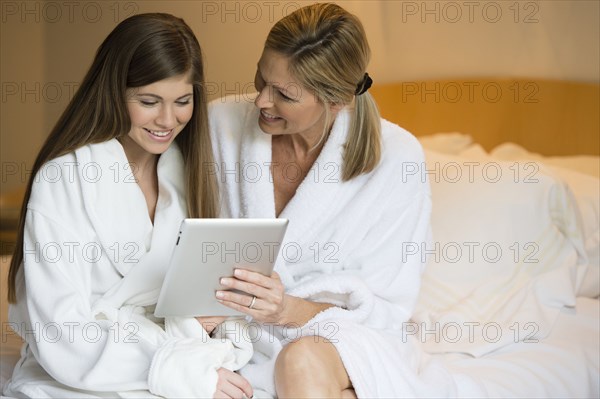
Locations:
column 141, row 50
column 328, row 54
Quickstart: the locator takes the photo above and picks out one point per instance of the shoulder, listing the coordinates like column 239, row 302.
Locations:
column 56, row 187
column 399, row 145
column 230, row 109
column 59, row 181
column 402, row 160
column 230, row 118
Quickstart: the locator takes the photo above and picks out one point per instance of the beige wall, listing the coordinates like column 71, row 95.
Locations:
column 554, row 39
column 46, row 48
column 21, row 105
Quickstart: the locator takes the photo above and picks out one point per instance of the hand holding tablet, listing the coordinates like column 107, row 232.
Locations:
column 209, row 249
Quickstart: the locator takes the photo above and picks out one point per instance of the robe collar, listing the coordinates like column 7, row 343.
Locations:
column 116, row 206
column 315, row 194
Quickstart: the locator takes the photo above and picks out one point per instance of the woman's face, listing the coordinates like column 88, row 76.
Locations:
column 159, row 112
column 285, row 106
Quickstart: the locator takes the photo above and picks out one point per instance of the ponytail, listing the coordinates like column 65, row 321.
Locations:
column 363, row 148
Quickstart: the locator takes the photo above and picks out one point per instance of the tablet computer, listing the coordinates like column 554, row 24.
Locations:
column 208, row 249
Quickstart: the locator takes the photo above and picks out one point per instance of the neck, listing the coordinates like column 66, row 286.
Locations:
column 142, row 161
column 305, row 145
column 298, row 148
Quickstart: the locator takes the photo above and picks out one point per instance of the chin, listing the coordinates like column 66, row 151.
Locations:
column 158, row 149
column 268, row 129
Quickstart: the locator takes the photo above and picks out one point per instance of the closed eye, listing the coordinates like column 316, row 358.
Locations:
column 285, row 98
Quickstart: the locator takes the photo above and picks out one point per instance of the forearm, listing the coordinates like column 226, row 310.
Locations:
column 299, row 311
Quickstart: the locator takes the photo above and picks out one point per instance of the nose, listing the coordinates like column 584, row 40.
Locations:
column 265, row 98
column 167, row 117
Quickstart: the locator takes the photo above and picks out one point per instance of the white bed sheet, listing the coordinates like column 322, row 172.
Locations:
column 10, row 348
column 564, row 365
column 10, row 343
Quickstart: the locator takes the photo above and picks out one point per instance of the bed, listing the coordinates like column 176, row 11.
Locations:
column 509, row 301
column 509, row 304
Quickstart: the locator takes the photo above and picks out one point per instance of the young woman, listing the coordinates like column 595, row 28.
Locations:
column 313, row 149
column 120, row 170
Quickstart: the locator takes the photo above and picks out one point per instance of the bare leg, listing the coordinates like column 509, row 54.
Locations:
column 311, row 368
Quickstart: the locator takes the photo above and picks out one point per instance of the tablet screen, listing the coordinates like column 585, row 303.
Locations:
column 209, row 249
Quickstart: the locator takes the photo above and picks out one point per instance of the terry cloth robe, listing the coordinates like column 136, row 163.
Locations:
column 93, row 267
column 346, row 244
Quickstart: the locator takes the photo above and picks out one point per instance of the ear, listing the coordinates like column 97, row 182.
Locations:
column 334, row 108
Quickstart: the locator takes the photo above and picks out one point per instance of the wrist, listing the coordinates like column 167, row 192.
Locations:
column 299, row 311
column 289, row 303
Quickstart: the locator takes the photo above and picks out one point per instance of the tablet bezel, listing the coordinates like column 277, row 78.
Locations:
column 191, row 282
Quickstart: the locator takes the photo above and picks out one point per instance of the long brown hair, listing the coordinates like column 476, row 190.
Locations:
column 141, row 50
column 328, row 54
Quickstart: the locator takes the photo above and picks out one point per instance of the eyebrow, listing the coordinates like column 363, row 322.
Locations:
column 159, row 97
column 281, row 89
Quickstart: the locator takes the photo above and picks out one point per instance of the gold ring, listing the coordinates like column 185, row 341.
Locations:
column 252, row 303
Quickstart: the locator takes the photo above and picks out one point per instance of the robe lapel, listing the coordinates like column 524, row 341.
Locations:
column 257, row 195
column 311, row 205
column 117, row 210
column 114, row 203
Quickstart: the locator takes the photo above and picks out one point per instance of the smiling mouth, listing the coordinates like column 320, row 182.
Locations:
column 268, row 116
column 159, row 133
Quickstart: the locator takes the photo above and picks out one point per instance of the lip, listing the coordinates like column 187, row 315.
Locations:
column 268, row 118
column 160, row 138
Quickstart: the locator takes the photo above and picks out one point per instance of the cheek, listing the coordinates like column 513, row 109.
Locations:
column 185, row 114
column 311, row 116
column 290, row 112
column 138, row 115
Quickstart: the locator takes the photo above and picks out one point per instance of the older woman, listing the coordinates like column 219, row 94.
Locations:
column 313, row 149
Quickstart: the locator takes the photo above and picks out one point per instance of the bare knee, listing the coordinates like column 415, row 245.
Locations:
column 310, row 366
column 300, row 356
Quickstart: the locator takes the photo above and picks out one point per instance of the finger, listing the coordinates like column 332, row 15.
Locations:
column 241, row 308
column 225, row 388
column 249, row 288
column 231, row 391
column 219, row 394
column 241, row 383
column 234, row 385
column 258, row 278
column 240, row 299
column 271, row 298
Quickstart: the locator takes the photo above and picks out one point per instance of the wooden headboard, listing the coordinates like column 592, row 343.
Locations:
column 544, row 116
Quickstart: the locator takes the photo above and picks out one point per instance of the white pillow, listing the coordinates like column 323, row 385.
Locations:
column 586, row 164
column 446, row 143
column 580, row 173
column 586, row 190
column 508, row 250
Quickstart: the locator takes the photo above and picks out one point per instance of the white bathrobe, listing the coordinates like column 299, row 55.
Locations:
column 93, row 267
column 344, row 245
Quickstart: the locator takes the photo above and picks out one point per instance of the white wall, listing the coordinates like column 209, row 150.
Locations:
column 46, row 47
